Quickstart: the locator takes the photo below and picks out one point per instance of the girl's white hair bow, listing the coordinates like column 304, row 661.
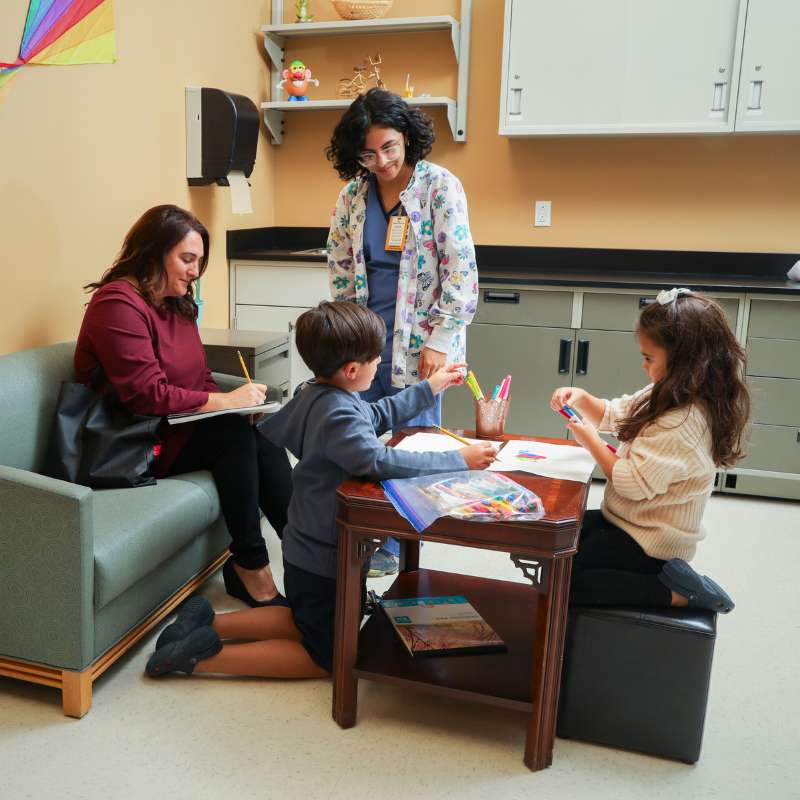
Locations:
column 665, row 297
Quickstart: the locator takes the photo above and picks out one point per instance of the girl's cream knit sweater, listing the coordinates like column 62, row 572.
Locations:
column 662, row 480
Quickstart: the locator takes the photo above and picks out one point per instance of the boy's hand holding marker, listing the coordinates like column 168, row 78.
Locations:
column 446, row 376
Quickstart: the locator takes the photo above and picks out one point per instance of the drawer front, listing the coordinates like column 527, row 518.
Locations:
column 776, row 401
column 272, row 368
column 524, row 307
column 773, row 448
column 786, row 486
column 774, row 319
column 620, row 312
column 282, row 286
column 774, row 358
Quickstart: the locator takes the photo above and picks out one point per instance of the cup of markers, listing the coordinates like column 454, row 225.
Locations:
column 490, row 412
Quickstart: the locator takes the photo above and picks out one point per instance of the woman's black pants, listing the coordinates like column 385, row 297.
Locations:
column 611, row 569
column 250, row 473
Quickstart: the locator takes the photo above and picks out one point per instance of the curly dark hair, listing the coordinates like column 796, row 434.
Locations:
column 705, row 366
column 387, row 110
column 146, row 244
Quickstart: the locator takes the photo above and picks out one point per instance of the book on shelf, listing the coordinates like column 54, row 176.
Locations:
column 191, row 416
column 440, row 626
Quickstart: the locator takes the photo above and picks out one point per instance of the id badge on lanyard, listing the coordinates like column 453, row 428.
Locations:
column 396, row 233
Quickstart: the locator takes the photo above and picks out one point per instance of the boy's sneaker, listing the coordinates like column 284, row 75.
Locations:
column 195, row 613
column 382, row 563
column 183, row 656
column 699, row 590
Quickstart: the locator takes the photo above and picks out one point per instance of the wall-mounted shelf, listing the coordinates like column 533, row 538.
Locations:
column 274, row 111
column 276, row 35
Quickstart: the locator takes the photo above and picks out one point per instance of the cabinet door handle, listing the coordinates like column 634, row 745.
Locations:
column 564, row 355
column 515, row 102
column 718, row 103
column 756, row 88
column 501, row 297
column 583, row 357
column 645, row 301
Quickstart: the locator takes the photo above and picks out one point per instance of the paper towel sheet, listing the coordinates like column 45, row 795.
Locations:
column 240, row 193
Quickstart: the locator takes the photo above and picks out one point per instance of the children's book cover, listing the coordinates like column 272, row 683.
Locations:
column 439, row 626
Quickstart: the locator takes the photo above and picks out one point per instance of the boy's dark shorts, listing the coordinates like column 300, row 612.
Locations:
column 312, row 599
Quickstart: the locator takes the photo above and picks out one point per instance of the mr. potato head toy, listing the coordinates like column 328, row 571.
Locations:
column 296, row 80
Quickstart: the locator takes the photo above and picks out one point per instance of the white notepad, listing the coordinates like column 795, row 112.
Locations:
column 436, row 443
column 549, row 460
column 192, row 416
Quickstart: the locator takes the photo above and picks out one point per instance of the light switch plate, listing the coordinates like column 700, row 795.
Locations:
column 541, row 218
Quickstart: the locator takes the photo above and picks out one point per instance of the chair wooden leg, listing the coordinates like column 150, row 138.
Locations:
column 76, row 693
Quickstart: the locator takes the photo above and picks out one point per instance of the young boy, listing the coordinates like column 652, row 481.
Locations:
column 334, row 434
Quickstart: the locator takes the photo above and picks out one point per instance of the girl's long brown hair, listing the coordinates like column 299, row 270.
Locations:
column 705, row 367
column 146, row 244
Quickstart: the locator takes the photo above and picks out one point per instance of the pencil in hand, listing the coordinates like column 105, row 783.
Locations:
column 244, row 366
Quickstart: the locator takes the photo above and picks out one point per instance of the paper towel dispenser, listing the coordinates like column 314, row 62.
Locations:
column 221, row 135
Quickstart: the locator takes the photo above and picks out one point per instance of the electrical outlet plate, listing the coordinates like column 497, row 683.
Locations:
column 541, row 217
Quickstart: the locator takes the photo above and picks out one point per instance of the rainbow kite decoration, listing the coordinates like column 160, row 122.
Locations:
column 65, row 32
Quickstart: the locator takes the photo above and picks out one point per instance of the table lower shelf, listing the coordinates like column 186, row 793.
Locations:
column 501, row 679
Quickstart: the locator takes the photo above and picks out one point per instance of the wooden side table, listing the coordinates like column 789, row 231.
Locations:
column 531, row 621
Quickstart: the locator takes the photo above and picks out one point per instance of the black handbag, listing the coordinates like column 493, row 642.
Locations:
column 95, row 441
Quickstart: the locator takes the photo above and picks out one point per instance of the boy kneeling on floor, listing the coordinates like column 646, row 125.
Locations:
column 334, row 434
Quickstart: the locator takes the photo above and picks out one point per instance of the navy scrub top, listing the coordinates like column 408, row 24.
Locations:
column 382, row 265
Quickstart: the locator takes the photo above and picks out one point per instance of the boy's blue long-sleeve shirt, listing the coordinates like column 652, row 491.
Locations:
column 334, row 434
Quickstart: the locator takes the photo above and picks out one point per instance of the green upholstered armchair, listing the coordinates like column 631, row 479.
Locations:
column 84, row 574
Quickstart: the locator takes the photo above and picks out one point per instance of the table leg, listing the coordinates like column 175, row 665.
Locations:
column 409, row 555
column 548, row 654
column 348, row 619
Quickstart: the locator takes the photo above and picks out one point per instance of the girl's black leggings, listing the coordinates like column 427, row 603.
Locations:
column 611, row 569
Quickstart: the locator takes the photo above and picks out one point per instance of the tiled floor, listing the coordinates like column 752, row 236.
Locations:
column 237, row 738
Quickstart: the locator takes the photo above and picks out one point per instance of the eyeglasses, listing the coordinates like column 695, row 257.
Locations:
column 389, row 151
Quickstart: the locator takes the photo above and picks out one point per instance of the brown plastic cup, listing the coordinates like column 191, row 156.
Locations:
column 490, row 417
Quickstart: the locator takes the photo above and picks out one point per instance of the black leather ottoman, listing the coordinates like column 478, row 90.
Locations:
column 638, row 679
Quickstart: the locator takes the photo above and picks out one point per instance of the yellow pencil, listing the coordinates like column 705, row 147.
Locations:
column 244, row 367
column 450, row 433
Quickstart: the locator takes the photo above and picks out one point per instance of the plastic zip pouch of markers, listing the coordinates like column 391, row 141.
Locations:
column 473, row 495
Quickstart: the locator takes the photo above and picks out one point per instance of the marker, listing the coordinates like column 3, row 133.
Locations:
column 564, row 414
column 611, row 448
column 496, row 392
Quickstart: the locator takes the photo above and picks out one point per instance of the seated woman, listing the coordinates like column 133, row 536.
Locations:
column 140, row 329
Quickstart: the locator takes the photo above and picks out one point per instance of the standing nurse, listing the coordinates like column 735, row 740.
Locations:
column 400, row 244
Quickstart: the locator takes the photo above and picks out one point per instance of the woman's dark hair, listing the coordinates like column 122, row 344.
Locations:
column 705, row 366
column 146, row 244
column 333, row 333
column 386, row 110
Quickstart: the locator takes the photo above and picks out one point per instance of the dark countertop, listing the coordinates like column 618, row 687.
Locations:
column 565, row 266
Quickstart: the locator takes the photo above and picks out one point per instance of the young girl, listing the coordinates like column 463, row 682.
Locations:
column 673, row 434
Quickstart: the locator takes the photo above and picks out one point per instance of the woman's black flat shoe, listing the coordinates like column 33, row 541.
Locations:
column 699, row 590
column 195, row 613
column 183, row 656
column 235, row 588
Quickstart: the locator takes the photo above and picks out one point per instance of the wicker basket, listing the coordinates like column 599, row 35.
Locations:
column 361, row 9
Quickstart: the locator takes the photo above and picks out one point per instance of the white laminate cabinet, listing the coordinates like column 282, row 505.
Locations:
column 582, row 67
column 769, row 86
column 270, row 297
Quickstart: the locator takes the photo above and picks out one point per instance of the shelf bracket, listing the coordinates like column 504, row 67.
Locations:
column 535, row 571
column 274, row 45
column 367, row 547
column 452, row 119
column 274, row 122
column 455, row 37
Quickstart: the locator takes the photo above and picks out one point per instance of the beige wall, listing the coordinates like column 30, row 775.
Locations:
column 684, row 193
column 84, row 150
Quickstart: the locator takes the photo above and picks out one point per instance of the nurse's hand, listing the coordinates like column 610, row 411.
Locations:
column 429, row 362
